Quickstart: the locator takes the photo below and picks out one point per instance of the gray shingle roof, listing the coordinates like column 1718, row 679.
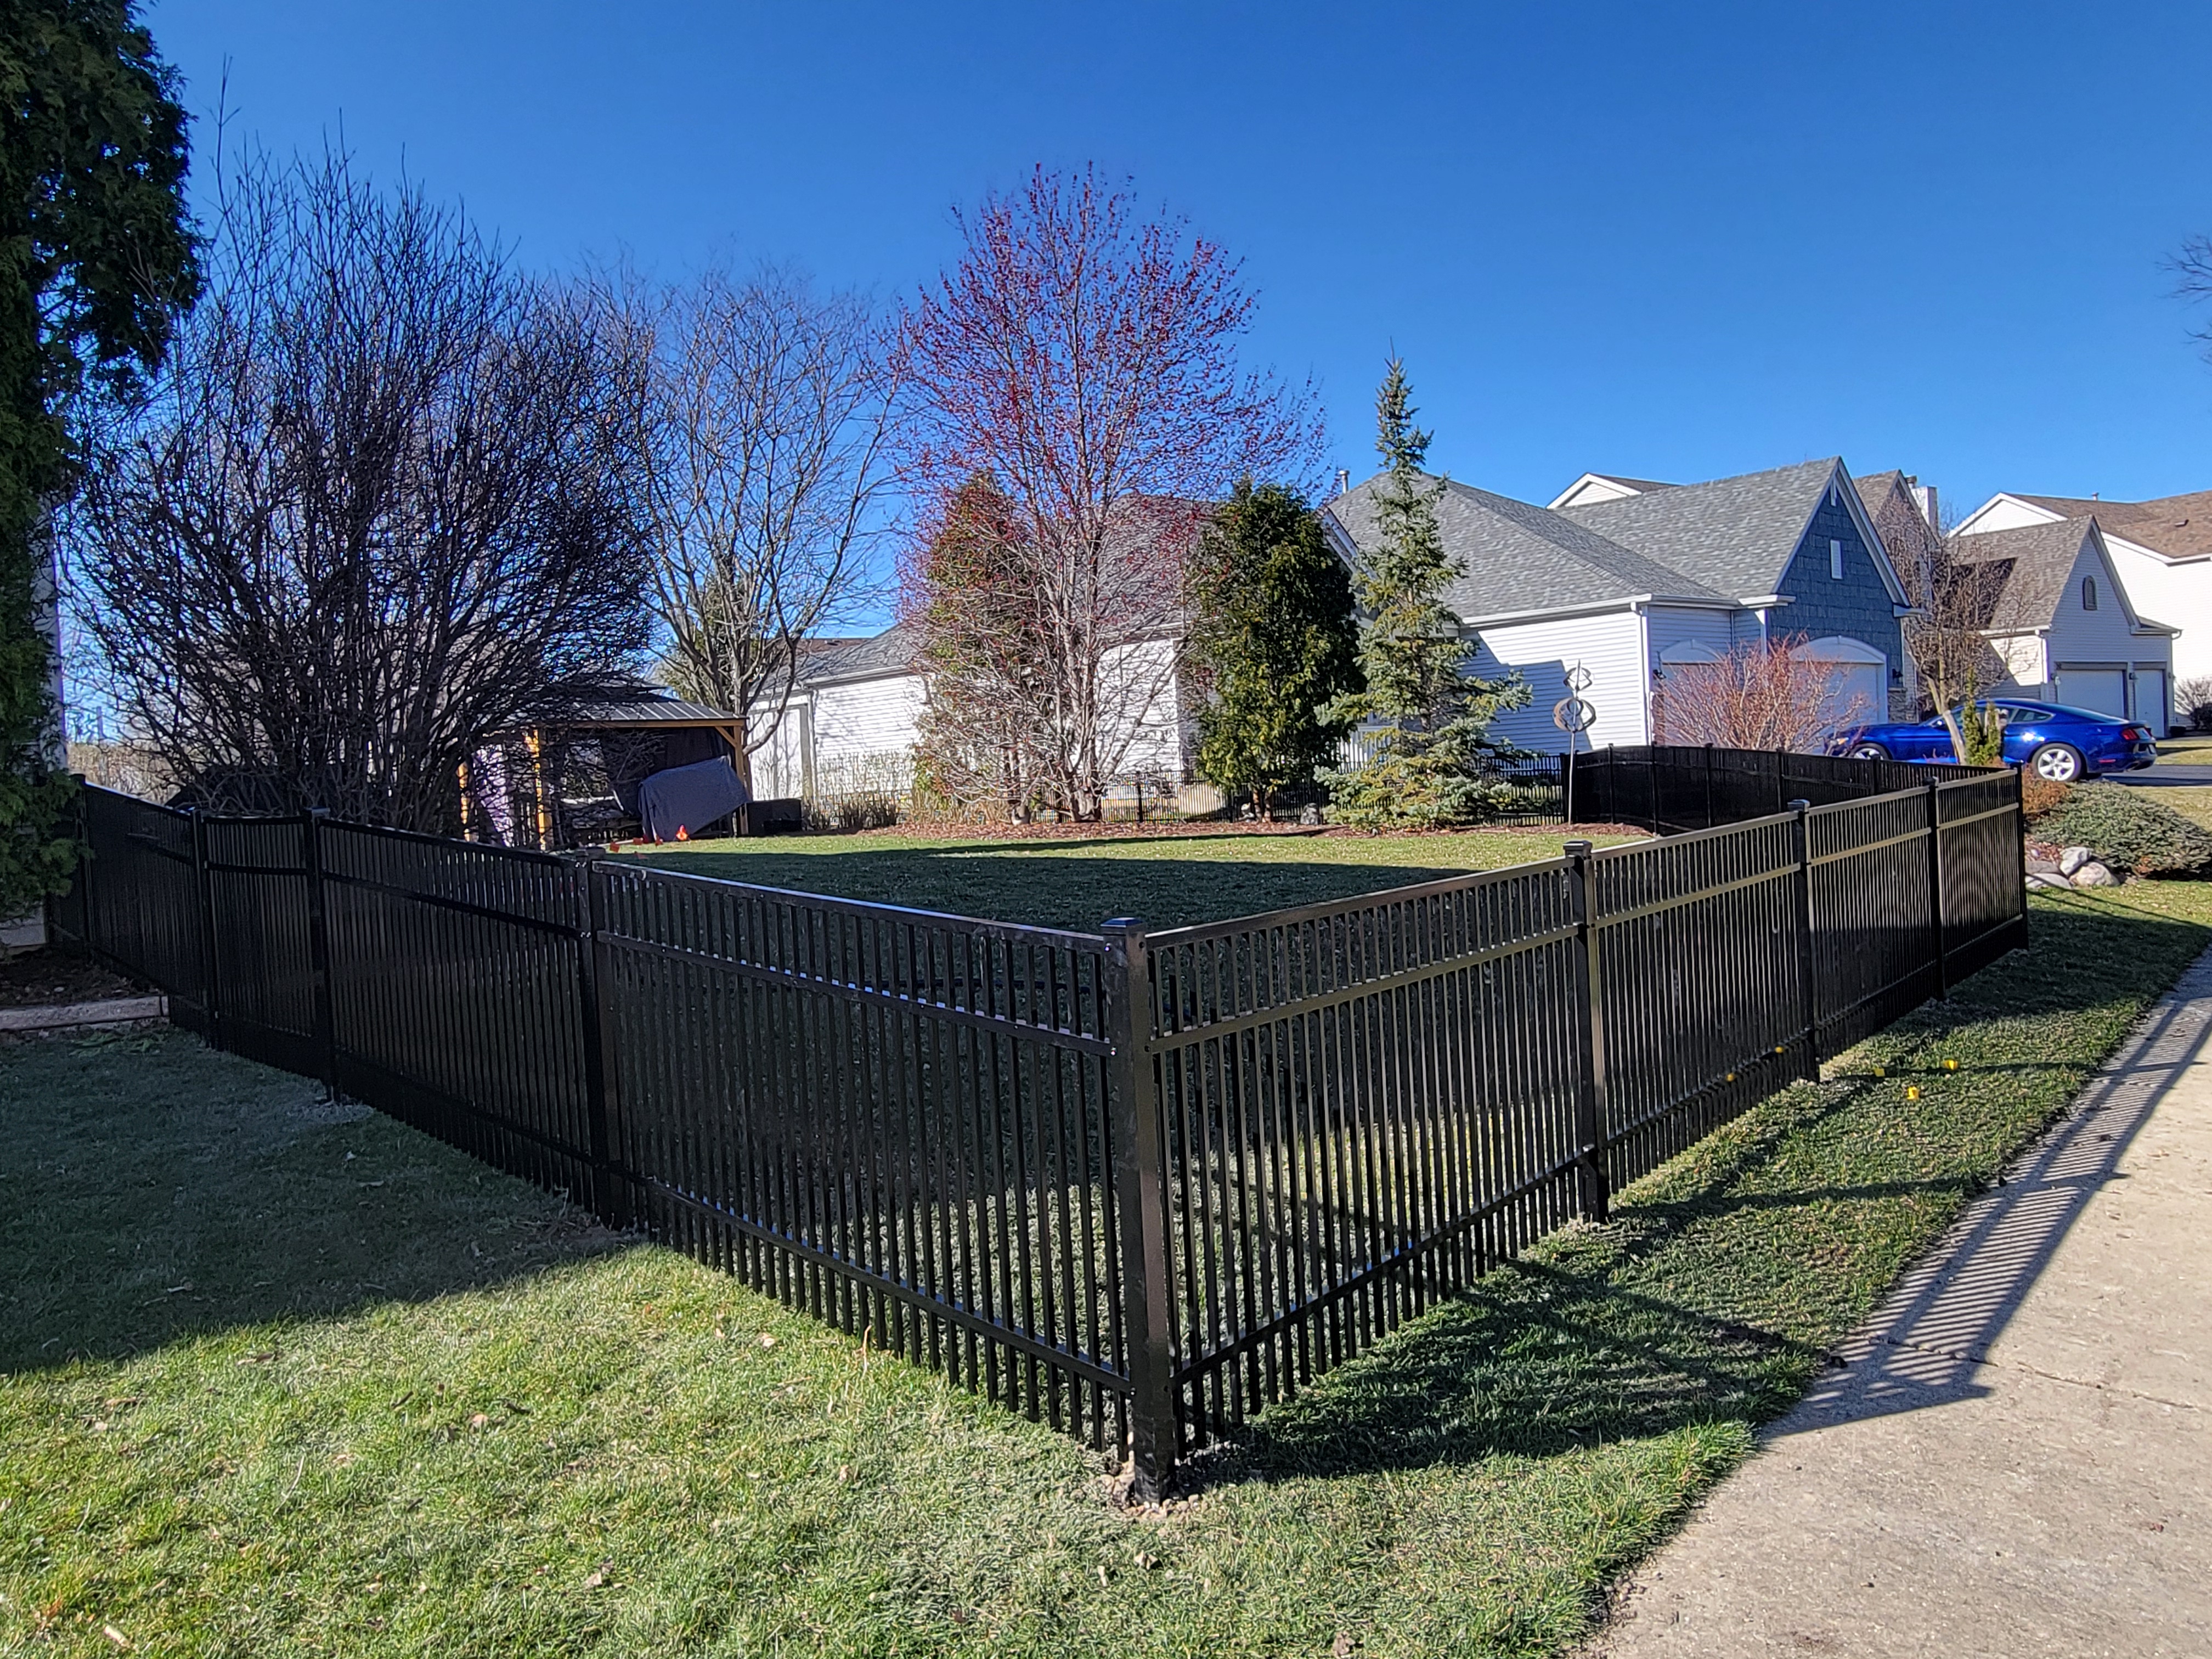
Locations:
column 2037, row 559
column 891, row 652
column 2179, row 526
column 1521, row 557
column 1734, row 535
column 1875, row 491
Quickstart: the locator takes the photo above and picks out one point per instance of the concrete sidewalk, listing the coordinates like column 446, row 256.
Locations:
column 2016, row 1458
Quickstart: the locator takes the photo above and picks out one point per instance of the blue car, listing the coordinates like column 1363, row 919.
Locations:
column 2052, row 740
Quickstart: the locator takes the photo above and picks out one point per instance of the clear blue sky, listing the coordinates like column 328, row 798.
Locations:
column 1669, row 240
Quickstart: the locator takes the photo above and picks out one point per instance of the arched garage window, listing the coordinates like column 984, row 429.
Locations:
column 2089, row 593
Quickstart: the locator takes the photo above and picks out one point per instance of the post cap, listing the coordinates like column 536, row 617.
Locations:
column 1578, row 848
column 1801, row 806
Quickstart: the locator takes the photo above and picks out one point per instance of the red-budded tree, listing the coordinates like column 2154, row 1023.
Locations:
column 1078, row 361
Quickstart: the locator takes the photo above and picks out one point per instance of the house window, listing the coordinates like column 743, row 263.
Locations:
column 1835, row 562
column 2089, row 593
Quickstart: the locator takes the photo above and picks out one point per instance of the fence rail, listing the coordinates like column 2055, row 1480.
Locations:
column 1138, row 1184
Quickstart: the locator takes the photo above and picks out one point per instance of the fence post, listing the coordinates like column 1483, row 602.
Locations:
column 1781, row 780
column 1936, row 890
column 1140, row 1209
column 1807, row 959
column 1651, row 761
column 319, row 945
column 2020, row 818
column 1590, row 1025
column 203, row 880
column 610, row 1191
column 94, row 940
column 1708, row 789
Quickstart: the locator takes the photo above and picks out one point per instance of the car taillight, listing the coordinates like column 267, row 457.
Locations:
column 2135, row 733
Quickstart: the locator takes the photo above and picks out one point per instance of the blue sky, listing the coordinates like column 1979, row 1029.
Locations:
column 1674, row 242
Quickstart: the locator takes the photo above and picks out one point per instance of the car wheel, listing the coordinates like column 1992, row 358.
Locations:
column 1869, row 751
column 2056, row 762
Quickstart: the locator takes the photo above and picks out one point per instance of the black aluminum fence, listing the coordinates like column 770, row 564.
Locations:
column 1137, row 1184
column 1668, row 788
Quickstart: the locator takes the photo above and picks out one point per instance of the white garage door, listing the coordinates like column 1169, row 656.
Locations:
column 2151, row 707
column 1858, row 692
column 2104, row 690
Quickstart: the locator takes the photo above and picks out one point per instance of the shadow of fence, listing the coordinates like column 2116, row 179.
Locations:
column 1930, row 1341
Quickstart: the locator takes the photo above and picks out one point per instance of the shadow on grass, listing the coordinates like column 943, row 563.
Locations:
column 152, row 1190
column 1725, row 1282
column 1043, row 885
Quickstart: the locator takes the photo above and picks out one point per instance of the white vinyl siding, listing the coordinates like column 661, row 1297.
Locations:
column 866, row 717
column 2022, row 655
column 1610, row 646
column 1673, row 627
column 1140, row 681
column 861, row 719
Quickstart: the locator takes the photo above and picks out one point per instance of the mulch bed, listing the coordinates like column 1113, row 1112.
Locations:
column 53, row 974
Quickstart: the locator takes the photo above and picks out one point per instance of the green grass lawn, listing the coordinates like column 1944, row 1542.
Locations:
column 1080, row 881
column 2192, row 801
column 277, row 1378
column 2191, row 751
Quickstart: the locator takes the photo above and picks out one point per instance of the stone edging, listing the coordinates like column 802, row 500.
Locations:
column 62, row 1017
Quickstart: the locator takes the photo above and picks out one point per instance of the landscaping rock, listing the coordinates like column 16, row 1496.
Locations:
column 2073, row 859
column 2050, row 879
column 1309, row 814
column 2039, row 865
column 2094, row 874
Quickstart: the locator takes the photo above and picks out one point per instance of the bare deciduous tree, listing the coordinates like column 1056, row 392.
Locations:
column 1953, row 597
column 1759, row 695
column 1081, row 363
column 762, row 439
column 380, row 505
column 2193, row 266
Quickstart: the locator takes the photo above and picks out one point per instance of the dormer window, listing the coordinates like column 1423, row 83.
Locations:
column 2089, row 593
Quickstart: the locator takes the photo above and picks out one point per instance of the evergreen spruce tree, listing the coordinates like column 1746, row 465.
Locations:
column 95, row 252
column 1431, row 758
column 1272, row 640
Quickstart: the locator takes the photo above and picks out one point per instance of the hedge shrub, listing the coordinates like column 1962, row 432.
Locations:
column 2128, row 831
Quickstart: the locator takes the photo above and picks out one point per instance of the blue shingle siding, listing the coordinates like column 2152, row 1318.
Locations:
column 1858, row 607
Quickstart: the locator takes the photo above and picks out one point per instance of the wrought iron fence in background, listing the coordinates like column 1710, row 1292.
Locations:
column 1138, row 1184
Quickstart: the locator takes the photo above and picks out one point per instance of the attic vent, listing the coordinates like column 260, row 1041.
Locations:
column 2089, row 593
column 2180, row 523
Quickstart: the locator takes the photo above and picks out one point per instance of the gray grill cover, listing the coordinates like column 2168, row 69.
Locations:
column 688, row 798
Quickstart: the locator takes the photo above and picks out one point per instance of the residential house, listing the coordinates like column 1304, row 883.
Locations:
column 2161, row 554
column 1904, row 513
column 1624, row 579
column 854, row 718
column 2064, row 625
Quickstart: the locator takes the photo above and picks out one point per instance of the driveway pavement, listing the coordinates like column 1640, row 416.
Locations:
column 2014, row 1459
column 2161, row 776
